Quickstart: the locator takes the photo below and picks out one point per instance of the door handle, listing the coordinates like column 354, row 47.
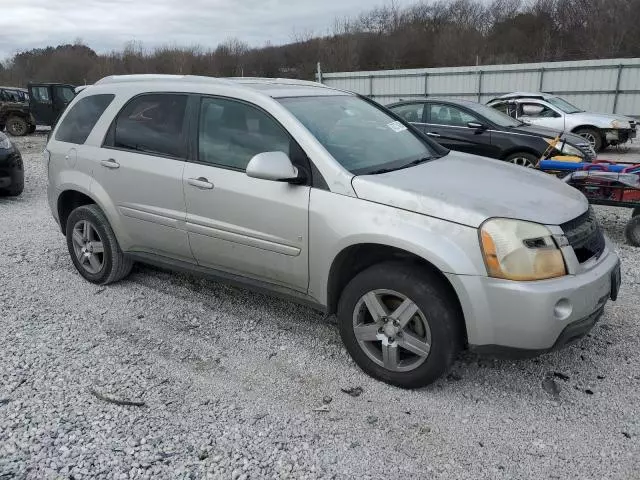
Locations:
column 200, row 182
column 111, row 163
column 434, row 134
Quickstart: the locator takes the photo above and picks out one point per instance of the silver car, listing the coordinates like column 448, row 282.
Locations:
column 329, row 199
column 554, row 112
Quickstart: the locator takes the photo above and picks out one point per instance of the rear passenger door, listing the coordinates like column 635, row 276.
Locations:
column 242, row 225
column 448, row 125
column 140, row 170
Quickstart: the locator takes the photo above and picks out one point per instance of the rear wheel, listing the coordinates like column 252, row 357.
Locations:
column 400, row 324
column 524, row 159
column 17, row 126
column 94, row 248
column 593, row 136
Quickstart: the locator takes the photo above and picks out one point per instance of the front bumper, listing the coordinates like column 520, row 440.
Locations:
column 534, row 317
column 620, row 135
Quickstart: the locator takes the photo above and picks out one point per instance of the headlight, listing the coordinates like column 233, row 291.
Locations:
column 519, row 250
column 571, row 150
column 620, row 124
column 5, row 143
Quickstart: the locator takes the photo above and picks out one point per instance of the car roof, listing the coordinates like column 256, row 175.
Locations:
column 14, row 88
column 273, row 87
column 452, row 101
column 516, row 95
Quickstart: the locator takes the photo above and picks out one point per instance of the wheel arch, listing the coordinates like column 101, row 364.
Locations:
column 520, row 149
column 358, row 257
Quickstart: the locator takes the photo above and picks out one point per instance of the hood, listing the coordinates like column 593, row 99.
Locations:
column 468, row 189
column 600, row 120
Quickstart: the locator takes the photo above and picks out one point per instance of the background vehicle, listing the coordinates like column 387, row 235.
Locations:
column 554, row 112
column 11, row 168
column 22, row 112
column 328, row 198
column 475, row 128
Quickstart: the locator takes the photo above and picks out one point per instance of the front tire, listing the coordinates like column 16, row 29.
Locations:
column 17, row 126
column 400, row 324
column 593, row 136
column 94, row 248
column 632, row 231
column 524, row 159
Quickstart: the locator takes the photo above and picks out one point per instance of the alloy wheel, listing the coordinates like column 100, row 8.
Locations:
column 522, row 161
column 392, row 330
column 88, row 247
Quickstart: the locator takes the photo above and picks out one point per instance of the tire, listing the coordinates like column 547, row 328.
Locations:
column 436, row 323
column 87, row 228
column 635, row 212
column 13, row 191
column 632, row 231
column 593, row 136
column 524, row 159
column 17, row 126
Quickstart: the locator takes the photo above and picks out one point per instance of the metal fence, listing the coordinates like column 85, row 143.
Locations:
column 608, row 86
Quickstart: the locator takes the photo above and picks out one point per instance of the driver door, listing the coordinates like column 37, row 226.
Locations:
column 242, row 225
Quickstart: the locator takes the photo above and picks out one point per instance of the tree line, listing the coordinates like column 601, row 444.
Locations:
column 427, row 34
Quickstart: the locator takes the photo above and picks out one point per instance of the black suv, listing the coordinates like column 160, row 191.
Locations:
column 22, row 110
column 475, row 128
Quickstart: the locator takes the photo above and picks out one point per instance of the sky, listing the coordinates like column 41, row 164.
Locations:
column 109, row 24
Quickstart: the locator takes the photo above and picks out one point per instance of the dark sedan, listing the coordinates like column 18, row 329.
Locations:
column 475, row 128
column 11, row 168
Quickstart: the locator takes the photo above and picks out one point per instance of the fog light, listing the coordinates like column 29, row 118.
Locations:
column 563, row 309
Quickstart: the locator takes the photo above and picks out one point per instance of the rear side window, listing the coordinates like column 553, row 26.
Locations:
column 41, row 95
column 411, row 113
column 153, row 124
column 83, row 116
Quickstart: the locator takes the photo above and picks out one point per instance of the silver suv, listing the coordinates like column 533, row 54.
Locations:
column 332, row 200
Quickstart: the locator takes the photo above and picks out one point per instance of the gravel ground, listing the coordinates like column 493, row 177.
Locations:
column 231, row 381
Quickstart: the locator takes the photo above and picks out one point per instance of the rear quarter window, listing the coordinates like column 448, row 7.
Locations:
column 83, row 116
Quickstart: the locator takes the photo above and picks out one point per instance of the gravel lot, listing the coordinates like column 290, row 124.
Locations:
column 230, row 380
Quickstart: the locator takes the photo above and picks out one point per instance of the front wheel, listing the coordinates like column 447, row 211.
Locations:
column 523, row 159
column 399, row 324
column 17, row 126
column 632, row 231
column 94, row 248
column 593, row 136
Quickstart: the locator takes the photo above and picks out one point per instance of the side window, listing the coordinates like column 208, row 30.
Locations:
column 449, row 115
column 66, row 94
column 231, row 133
column 4, row 97
column 536, row 110
column 41, row 95
column 153, row 124
column 83, row 116
column 411, row 112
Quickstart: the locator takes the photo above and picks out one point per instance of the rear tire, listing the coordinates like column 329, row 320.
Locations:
column 632, row 231
column 524, row 159
column 93, row 246
column 17, row 126
column 593, row 136
column 13, row 191
column 409, row 356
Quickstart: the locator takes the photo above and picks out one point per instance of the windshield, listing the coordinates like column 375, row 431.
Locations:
column 563, row 105
column 361, row 137
column 493, row 115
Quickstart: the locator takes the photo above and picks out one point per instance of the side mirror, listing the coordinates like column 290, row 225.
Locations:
column 275, row 166
column 478, row 126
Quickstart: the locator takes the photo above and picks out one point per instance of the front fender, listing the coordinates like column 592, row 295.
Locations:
column 450, row 247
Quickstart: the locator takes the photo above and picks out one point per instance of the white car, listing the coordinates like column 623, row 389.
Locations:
column 600, row 129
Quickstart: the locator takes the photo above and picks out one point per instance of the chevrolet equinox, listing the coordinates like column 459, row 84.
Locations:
column 330, row 199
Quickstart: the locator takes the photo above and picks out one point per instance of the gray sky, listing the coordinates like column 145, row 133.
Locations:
column 108, row 24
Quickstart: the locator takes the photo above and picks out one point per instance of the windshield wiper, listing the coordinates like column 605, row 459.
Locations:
column 406, row 165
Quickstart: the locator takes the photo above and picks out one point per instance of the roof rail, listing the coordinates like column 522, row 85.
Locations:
column 281, row 81
column 156, row 77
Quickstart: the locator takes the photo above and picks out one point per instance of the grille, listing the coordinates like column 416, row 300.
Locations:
column 585, row 236
column 589, row 152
